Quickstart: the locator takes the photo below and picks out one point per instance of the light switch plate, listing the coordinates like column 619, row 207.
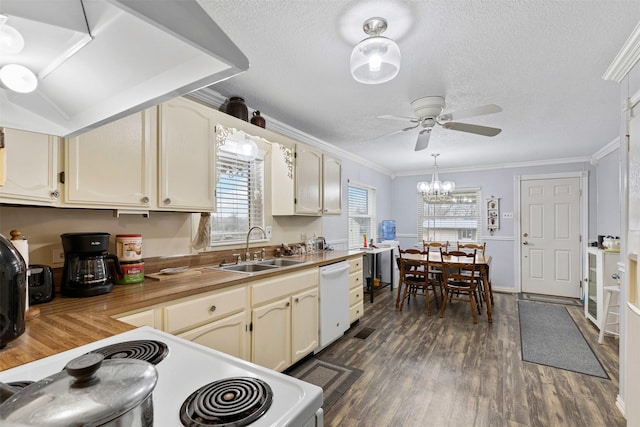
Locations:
column 268, row 230
column 508, row 215
column 58, row 256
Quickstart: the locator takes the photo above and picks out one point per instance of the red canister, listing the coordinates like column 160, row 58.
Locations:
column 132, row 272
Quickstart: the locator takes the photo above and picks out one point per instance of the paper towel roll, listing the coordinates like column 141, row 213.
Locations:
column 23, row 247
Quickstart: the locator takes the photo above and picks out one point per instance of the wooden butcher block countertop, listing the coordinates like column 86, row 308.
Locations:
column 66, row 323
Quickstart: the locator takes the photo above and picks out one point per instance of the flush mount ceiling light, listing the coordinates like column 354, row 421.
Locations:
column 436, row 191
column 18, row 78
column 11, row 41
column 375, row 59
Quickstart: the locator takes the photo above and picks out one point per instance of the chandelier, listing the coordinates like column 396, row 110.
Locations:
column 436, row 191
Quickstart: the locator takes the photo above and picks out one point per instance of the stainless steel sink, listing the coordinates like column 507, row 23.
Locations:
column 281, row 262
column 248, row 268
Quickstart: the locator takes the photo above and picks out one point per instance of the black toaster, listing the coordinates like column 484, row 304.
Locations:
column 40, row 284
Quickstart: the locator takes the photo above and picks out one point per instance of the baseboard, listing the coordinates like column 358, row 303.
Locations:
column 620, row 404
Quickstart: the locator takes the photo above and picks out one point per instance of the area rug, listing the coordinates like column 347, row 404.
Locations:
column 550, row 299
column 549, row 336
column 334, row 378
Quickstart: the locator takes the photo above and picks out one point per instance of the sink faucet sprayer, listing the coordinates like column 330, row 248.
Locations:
column 247, row 255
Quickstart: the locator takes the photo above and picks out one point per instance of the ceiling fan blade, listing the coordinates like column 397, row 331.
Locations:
column 395, row 132
column 477, row 129
column 404, row 119
column 423, row 140
column 471, row 112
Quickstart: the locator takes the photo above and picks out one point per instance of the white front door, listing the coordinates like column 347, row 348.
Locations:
column 550, row 227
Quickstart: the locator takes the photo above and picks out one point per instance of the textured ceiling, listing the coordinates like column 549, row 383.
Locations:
column 542, row 61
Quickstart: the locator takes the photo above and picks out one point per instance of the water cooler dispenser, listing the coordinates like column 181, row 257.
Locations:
column 388, row 234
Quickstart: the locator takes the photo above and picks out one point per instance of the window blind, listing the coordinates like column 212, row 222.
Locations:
column 239, row 198
column 457, row 220
column 362, row 217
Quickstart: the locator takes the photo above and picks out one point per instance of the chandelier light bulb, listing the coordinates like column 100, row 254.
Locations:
column 436, row 190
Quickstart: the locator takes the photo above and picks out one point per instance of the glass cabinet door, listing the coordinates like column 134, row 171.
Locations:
column 592, row 302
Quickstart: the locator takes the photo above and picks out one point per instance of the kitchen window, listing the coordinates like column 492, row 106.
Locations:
column 239, row 198
column 362, row 214
column 456, row 220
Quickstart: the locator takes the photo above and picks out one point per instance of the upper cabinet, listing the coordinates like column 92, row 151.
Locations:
column 31, row 168
column 296, row 180
column 331, row 185
column 187, row 157
column 113, row 165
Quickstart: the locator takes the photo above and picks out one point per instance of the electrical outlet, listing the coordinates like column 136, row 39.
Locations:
column 268, row 230
column 507, row 215
column 58, row 256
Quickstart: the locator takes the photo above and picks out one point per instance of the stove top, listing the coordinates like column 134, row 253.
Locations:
column 187, row 369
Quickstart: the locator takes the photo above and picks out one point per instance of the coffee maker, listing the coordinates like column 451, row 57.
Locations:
column 13, row 292
column 86, row 269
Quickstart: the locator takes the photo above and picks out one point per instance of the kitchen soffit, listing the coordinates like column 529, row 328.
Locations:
column 134, row 55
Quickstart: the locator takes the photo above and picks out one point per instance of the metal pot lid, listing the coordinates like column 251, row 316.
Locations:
column 89, row 391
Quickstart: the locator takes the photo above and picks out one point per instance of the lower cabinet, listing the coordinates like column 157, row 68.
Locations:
column 356, row 302
column 148, row 317
column 217, row 320
column 284, row 319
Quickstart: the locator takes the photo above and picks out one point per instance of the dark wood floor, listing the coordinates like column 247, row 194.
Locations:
column 427, row 371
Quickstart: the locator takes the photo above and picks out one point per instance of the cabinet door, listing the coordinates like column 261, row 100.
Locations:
column 282, row 179
column 228, row 335
column 271, row 336
column 304, row 324
column 31, row 168
column 331, row 185
column 113, row 165
column 308, row 180
column 187, row 157
column 143, row 318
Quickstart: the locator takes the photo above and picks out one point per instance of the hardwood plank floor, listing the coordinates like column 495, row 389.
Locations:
column 427, row 371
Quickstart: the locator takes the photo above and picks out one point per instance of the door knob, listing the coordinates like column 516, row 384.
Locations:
column 525, row 243
column 525, row 235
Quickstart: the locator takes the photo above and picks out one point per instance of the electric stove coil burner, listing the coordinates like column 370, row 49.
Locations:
column 236, row 401
column 151, row 351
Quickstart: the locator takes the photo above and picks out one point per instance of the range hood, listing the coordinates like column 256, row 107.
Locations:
column 100, row 60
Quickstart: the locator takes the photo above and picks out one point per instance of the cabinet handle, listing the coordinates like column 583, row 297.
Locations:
column 145, row 199
column 212, row 308
column 55, row 194
column 297, row 300
column 167, row 201
column 288, row 303
column 357, row 296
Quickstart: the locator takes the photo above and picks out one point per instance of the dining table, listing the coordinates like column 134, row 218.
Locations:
column 483, row 262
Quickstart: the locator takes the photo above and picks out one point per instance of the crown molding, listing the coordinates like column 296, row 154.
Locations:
column 215, row 99
column 501, row 166
column 625, row 59
column 605, row 151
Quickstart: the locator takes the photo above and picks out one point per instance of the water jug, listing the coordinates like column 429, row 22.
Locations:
column 388, row 229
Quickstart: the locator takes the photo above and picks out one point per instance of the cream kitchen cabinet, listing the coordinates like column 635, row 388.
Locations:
column 147, row 317
column 284, row 319
column 331, row 185
column 187, row 157
column 296, row 180
column 218, row 320
column 356, row 302
column 31, row 174
column 114, row 165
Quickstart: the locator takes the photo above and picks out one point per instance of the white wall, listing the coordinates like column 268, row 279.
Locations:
column 496, row 182
column 608, row 194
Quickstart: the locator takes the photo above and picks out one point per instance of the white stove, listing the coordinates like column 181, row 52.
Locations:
column 187, row 368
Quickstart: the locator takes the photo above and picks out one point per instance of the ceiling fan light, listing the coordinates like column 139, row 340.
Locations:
column 18, row 78
column 375, row 59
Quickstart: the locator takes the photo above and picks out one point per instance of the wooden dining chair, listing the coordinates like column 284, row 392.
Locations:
column 459, row 279
column 479, row 248
column 399, row 261
column 416, row 278
column 434, row 245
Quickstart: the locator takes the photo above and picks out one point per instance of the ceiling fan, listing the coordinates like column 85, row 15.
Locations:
column 428, row 111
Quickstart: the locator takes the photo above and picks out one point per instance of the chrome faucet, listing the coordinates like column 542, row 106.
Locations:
column 247, row 255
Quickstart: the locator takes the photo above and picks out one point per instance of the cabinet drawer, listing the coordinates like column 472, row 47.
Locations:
column 355, row 296
column 355, row 265
column 356, row 312
column 283, row 285
column 355, row 280
column 203, row 309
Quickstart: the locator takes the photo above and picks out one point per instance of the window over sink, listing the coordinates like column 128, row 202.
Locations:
column 239, row 196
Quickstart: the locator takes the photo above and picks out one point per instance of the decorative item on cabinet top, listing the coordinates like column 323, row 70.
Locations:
column 258, row 120
column 237, row 108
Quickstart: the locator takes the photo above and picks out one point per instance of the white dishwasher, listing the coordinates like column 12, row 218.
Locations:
column 334, row 302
